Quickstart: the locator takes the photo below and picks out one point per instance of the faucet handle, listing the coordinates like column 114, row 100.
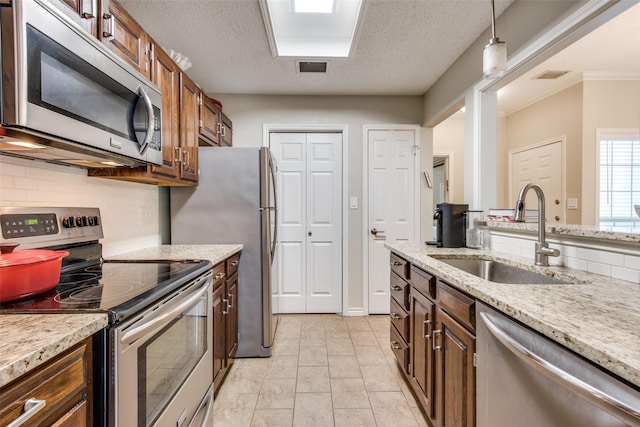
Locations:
column 544, row 249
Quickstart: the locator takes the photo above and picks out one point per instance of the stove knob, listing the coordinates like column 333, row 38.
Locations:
column 85, row 221
column 91, row 220
column 96, row 220
column 68, row 222
column 78, row 221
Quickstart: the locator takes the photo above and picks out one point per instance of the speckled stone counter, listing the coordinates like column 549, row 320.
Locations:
column 595, row 316
column 580, row 231
column 213, row 253
column 29, row 340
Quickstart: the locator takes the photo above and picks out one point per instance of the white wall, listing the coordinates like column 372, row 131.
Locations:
column 130, row 212
column 448, row 138
column 250, row 112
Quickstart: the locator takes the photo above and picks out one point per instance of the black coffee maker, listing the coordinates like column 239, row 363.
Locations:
column 449, row 225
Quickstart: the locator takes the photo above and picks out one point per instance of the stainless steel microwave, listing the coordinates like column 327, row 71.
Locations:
column 67, row 99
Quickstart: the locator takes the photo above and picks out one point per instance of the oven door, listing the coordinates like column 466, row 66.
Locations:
column 163, row 362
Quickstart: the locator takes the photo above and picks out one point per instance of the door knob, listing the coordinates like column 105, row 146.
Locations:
column 309, row 233
column 374, row 231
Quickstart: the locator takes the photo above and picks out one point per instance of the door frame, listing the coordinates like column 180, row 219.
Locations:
column 449, row 163
column 268, row 128
column 365, row 198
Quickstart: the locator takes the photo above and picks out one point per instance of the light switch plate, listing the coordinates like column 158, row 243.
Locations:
column 572, row 203
column 353, row 202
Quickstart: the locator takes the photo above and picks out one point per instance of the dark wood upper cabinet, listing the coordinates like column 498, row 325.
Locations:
column 189, row 128
column 83, row 12
column 124, row 36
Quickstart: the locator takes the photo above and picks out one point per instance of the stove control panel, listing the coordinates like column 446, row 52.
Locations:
column 43, row 227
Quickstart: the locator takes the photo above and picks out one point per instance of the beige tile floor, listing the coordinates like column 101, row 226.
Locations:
column 326, row 370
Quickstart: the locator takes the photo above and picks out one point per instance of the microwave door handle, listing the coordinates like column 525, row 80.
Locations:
column 150, row 120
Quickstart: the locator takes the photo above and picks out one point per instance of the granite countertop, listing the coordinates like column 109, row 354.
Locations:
column 595, row 316
column 213, row 253
column 29, row 340
column 581, row 231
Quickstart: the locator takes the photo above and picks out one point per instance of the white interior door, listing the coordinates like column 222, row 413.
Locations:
column 391, row 210
column 541, row 165
column 310, row 222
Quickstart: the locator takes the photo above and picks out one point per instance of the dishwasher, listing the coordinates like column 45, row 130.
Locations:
column 527, row 380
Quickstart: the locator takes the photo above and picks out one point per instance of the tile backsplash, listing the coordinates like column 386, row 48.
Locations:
column 130, row 211
column 598, row 257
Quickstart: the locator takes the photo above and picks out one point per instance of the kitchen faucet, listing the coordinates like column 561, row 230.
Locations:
column 543, row 251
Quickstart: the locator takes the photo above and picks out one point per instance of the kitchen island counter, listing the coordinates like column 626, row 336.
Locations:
column 29, row 340
column 595, row 316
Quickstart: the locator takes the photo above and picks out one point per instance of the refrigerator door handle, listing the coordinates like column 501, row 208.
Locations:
column 274, row 240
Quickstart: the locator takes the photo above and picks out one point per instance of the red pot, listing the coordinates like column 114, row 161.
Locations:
column 29, row 272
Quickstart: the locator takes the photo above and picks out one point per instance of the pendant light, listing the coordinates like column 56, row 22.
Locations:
column 494, row 56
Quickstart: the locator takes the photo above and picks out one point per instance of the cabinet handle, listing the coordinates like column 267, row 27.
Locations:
column 396, row 288
column 433, row 343
column 224, row 131
column 187, row 161
column 226, row 302
column 396, row 263
column 219, row 276
column 234, row 263
column 112, row 25
column 395, row 316
column 219, row 128
column 230, row 301
column 424, row 329
column 31, row 407
column 177, row 155
column 395, row 345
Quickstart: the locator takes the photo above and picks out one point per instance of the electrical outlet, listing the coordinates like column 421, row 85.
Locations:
column 572, row 203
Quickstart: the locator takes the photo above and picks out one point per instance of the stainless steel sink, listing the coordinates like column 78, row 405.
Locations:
column 499, row 272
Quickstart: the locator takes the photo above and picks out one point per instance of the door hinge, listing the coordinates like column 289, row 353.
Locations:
column 475, row 359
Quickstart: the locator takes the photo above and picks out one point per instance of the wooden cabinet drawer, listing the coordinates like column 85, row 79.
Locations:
column 423, row 281
column 399, row 319
column 459, row 305
column 62, row 383
column 399, row 266
column 219, row 274
column 232, row 264
column 400, row 349
column 400, row 290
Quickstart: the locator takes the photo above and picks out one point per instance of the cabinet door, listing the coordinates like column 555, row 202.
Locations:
column 189, row 113
column 82, row 12
column 124, row 36
column 209, row 121
column 232, row 317
column 422, row 354
column 219, row 334
column 226, row 130
column 455, row 373
column 166, row 75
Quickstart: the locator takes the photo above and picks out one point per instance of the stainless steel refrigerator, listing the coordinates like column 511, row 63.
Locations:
column 235, row 202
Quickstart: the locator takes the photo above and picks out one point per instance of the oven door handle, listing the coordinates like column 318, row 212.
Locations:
column 162, row 319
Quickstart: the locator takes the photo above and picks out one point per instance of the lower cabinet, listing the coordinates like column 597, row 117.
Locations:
column 225, row 317
column 62, row 384
column 440, row 346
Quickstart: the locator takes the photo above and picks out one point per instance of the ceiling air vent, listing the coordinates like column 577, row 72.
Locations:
column 550, row 75
column 312, row 67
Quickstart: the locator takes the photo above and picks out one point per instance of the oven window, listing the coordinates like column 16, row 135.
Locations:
column 167, row 359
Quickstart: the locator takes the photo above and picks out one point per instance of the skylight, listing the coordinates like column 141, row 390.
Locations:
column 311, row 28
column 313, row 6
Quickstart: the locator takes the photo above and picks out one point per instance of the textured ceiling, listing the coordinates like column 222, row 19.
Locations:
column 402, row 47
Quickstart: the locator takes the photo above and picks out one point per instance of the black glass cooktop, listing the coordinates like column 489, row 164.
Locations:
column 117, row 287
